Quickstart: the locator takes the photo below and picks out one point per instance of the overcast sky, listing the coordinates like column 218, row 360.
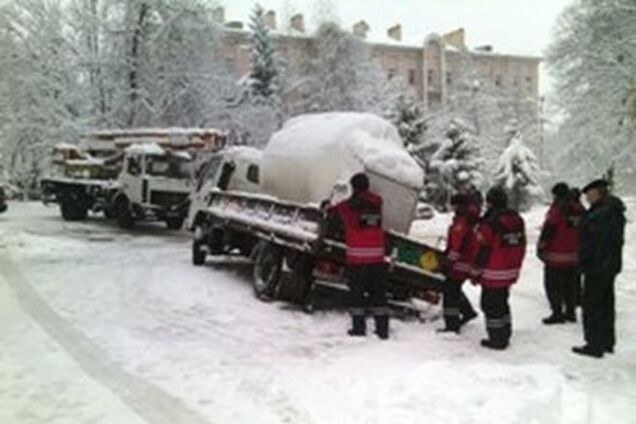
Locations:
column 511, row 26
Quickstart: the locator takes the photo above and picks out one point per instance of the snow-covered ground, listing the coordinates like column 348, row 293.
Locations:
column 103, row 326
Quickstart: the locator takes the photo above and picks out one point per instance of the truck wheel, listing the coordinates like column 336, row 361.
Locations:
column 296, row 283
column 198, row 254
column 72, row 210
column 175, row 223
column 110, row 213
column 267, row 269
column 125, row 218
column 216, row 241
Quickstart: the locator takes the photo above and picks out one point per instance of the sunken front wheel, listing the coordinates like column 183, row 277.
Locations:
column 268, row 259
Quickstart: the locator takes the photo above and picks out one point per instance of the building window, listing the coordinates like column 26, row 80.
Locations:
column 515, row 82
column 529, row 80
column 498, row 81
column 429, row 76
column 449, row 78
column 412, row 76
column 391, row 74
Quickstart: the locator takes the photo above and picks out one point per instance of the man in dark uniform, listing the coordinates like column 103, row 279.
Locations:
column 600, row 260
column 500, row 246
column 361, row 219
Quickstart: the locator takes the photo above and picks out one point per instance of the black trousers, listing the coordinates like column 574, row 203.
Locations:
column 560, row 288
column 455, row 304
column 494, row 304
column 367, row 289
column 599, row 310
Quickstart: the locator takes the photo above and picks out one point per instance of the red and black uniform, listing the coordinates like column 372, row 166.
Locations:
column 457, row 307
column 500, row 246
column 558, row 249
column 361, row 218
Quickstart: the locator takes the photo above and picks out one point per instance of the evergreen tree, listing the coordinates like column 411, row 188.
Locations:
column 407, row 114
column 454, row 163
column 264, row 76
column 518, row 172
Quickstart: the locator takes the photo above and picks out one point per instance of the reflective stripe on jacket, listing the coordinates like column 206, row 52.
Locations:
column 500, row 248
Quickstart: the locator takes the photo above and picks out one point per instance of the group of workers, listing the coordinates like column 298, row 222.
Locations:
column 581, row 250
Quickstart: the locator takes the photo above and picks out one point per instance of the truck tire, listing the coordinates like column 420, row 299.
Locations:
column 198, row 254
column 175, row 223
column 72, row 208
column 125, row 218
column 295, row 284
column 216, row 241
column 109, row 212
column 268, row 260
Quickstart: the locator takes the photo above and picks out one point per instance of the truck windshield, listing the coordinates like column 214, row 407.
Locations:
column 168, row 166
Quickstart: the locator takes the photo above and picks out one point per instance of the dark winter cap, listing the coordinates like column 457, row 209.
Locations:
column 575, row 192
column 459, row 199
column 599, row 184
column 561, row 190
column 359, row 182
column 497, row 197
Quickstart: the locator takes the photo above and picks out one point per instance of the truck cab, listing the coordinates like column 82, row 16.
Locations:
column 232, row 169
column 154, row 184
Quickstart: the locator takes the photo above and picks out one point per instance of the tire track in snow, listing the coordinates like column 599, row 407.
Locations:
column 150, row 402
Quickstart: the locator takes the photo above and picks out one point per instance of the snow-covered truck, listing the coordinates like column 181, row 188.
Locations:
column 308, row 161
column 130, row 175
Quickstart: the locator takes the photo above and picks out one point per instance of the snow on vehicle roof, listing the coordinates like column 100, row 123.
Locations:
column 365, row 140
column 182, row 155
column 65, row 146
column 145, row 149
column 154, row 132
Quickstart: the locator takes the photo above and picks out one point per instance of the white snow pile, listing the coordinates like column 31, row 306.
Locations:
column 314, row 154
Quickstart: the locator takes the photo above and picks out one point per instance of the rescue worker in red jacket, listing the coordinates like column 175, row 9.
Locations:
column 557, row 249
column 500, row 246
column 361, row 218
column 457, row 308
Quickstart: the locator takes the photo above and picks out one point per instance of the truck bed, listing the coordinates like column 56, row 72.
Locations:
column 412, row 263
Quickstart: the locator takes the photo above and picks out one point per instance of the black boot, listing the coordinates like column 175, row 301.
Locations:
column 588, row 350
column 447, row 330
column 382, row 326
column 495, row 345
column 359, row 326
column 467, row 318
column 570, row 316
column 554, row 319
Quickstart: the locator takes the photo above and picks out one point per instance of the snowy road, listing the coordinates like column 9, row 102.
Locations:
column 103, row 326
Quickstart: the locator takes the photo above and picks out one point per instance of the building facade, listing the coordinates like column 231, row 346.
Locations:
column 432, row 67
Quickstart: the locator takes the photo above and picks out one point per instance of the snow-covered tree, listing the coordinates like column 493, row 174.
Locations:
column 41, row 99
column 341, row 73
column 454, row 163
column 405, row 112
column 518, row 172
column 255, row 110
column 593, row 62
column 263, row 81
column 70, row 66
column 474, row 98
